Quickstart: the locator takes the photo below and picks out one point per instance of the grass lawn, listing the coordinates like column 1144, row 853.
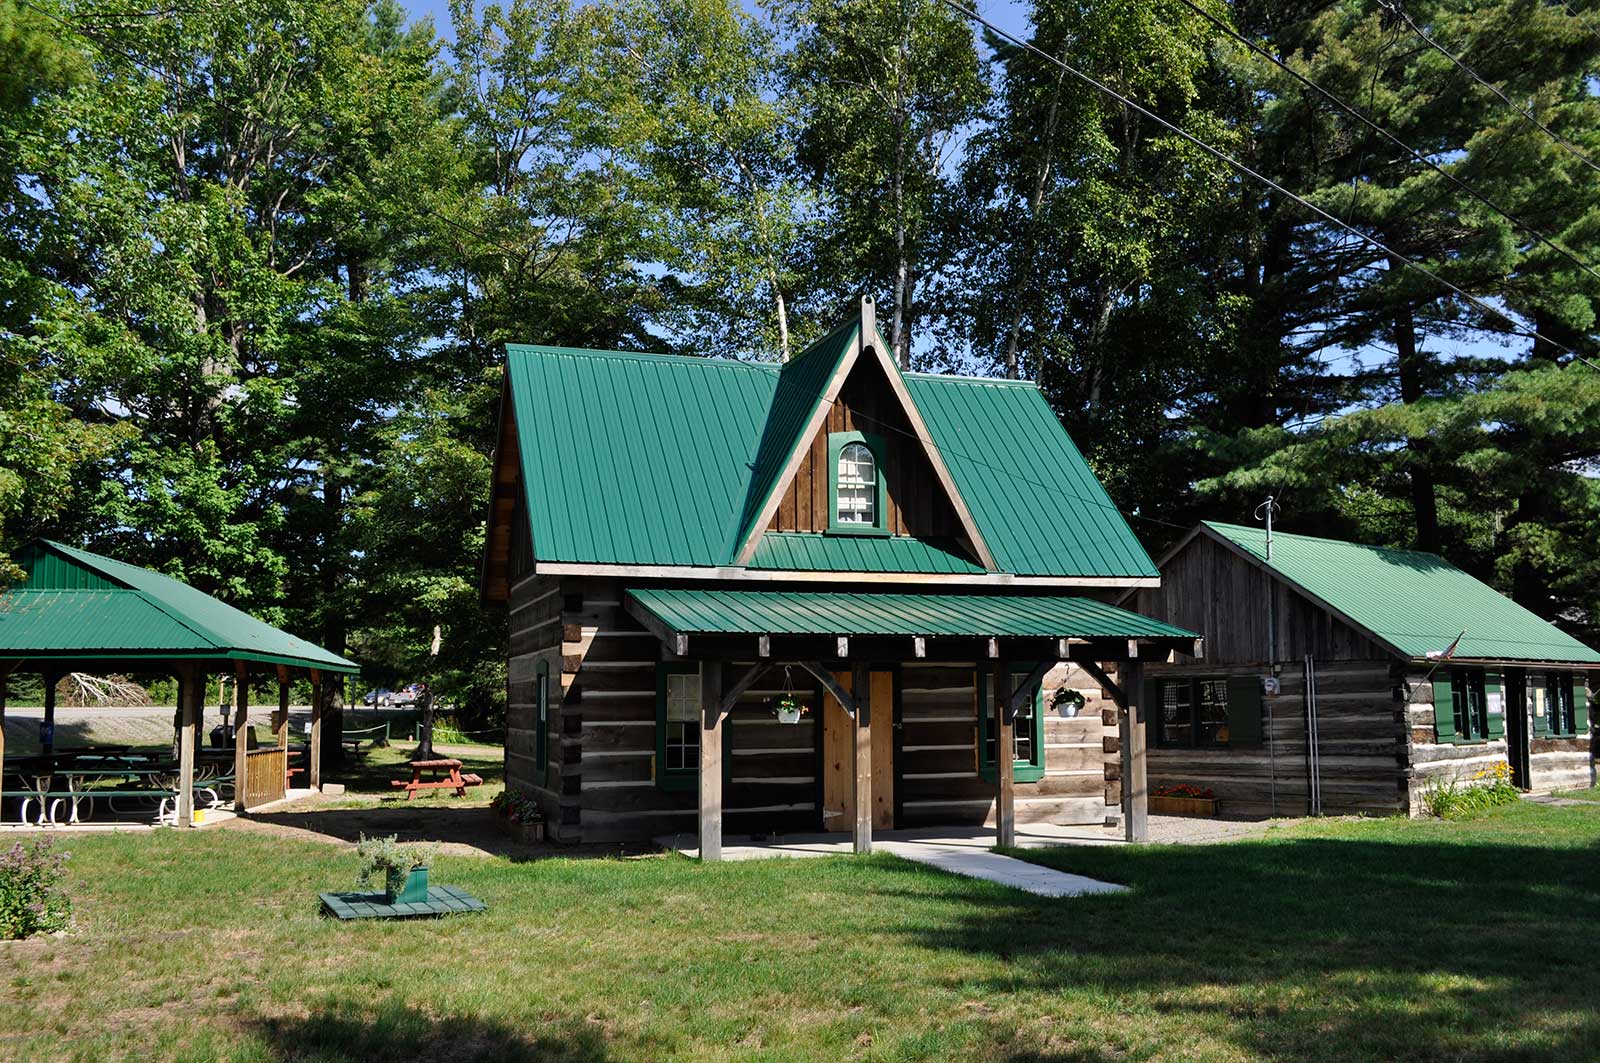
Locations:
column 1374, row 940
column 1591, row 794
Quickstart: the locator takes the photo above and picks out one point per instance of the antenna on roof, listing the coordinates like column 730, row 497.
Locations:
column 1269, row 507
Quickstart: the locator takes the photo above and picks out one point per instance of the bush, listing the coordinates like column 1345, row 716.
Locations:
column 1450, row 799
column 386, row 860
column 31, row 898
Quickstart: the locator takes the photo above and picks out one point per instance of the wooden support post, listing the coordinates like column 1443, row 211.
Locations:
column 1005, row 805
column 280, row 718
column 861, row 691
column 1135, row 787
column 241, row 737
column 191, row 692
column 711, row 760
column 47, row 730
column 315, row 754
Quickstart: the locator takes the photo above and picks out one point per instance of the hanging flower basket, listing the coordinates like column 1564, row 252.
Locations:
column 790, row 709
column 1067, row 702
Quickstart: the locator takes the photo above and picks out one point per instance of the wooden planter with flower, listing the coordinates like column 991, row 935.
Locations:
column 520, row 816
column 1183, row 801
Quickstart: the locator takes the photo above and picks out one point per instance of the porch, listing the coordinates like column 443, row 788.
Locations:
column 729, row 640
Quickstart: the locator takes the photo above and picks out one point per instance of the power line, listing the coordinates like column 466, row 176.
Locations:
column 1392, row 138
column 1567, row 145
column 1244, row 168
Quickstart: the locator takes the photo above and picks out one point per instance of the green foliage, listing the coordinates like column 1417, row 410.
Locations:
column 31, row 898
column 385, row 860
column 1453, row 799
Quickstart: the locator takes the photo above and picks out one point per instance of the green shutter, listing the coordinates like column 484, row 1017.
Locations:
column 1541, row 721
column 1444, row 709
column 541, row 697
column 1244, row 710
column 1494, row 692
column 1580, row 705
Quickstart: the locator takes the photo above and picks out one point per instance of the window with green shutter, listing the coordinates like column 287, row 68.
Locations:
column 1461, row 705
column 1204, row 711
column 678, row 728
column 1561, row 707
column 1027, row 733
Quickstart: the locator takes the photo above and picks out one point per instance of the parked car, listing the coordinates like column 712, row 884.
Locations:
column 386, row 698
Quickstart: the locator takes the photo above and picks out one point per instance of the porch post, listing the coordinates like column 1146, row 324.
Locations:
column 861, row 787
column 1135, row 787
column 191, row 689
column 314, row 769
column 241, row 738
column 47, row 731
column 280, row 719
column 711, row 760
column 1005, row 805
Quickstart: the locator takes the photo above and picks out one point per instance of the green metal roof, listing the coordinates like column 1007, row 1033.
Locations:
column 802, row 385
column 81, row 605
column 1415, row 602
column 813, row 552
column 722, row 612
column 639, row 459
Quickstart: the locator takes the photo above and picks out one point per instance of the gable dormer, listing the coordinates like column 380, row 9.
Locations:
column 846, row 452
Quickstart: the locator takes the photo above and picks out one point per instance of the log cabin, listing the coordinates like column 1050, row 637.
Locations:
column 1344, row 678
column 922, row 563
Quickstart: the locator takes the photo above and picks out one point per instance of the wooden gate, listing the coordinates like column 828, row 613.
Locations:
column 266, row 776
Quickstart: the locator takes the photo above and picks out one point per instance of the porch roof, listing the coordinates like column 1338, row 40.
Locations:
column 727, row 612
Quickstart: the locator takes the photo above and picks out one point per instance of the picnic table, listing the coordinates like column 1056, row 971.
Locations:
column 78, row 780
column 451, row 770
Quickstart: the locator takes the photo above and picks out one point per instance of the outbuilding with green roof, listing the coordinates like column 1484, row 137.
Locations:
column 1342, row 677
column 76, row 611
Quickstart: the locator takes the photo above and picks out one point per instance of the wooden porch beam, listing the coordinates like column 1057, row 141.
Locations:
column 1135, row 784
column 241, row 737
column 280, row 719
column 675, row 641
column 1023, row 693
column 191, row 692
column 861, row 785
column 1106, row 682
column 824, row 676
column 711, row 730
column 314, row 769
column 1005, row 807
column 919, row 646
column 740, row 685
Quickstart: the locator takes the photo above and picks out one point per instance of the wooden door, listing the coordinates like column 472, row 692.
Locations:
column 838, row 761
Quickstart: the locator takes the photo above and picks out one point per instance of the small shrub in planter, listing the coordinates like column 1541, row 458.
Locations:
column 31, row 898
column 403, row 869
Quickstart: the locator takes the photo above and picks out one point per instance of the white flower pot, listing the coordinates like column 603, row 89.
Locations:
column 788, row 715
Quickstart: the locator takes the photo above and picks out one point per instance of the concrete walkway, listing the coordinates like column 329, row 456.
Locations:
column 954, row 850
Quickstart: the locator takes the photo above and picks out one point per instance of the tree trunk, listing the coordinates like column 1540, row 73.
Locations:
column 902, row 279
column 424, row 749
column 783, row 321
column 1412, row 362
column 1031, row 234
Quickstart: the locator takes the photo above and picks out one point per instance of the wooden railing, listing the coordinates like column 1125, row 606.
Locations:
column 266, row 774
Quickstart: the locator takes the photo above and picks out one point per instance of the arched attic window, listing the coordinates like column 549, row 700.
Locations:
column 857, row 493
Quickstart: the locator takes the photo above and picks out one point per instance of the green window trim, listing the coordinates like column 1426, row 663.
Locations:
column 837, row 441
column 1462, row 709
column 1030, row 770
column 679, row 780
column 1562, row 692
column 541, row 702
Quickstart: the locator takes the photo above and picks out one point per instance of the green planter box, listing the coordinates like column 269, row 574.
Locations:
column 415, row 890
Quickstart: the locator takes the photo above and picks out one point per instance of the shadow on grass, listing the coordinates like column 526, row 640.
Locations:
column 1316, row 948
column 396, row 1032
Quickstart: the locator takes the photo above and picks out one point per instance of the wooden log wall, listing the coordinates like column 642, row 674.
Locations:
column 1363, row 740
column 1555, row 763
column 940, row 784
column 536, row 634
column 1208, row 588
